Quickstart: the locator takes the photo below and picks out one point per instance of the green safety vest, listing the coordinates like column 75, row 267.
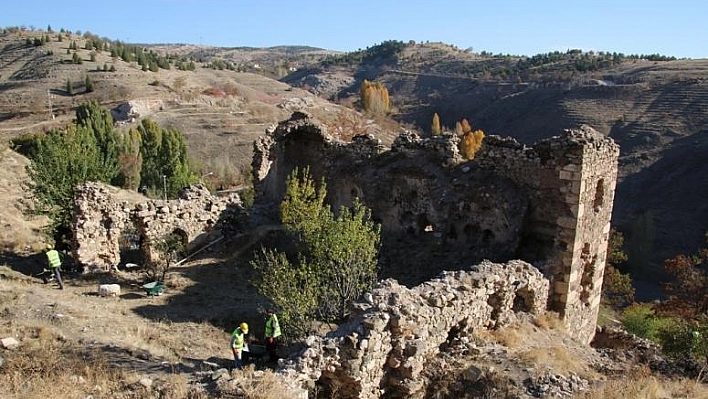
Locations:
column 237, row 338
column 272, row 327
column 53, row 258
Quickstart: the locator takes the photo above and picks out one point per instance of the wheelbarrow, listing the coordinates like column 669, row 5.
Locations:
column 154, row 288
column 255, row 353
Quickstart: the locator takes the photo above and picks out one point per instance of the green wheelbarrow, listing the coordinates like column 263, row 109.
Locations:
column 154, row 289
column 255, row 354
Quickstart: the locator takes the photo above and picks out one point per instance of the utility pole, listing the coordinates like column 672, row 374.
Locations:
column 164, row 185
column 49, row 101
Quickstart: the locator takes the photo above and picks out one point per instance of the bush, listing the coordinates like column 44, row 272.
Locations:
column 639, row 319
column 681, row 339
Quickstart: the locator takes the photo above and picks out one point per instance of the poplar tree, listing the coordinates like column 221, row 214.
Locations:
column 471, row 143
column 100, row 122
column 435, row 128
column 130, row 160
column 374, row 97
column 165, row 165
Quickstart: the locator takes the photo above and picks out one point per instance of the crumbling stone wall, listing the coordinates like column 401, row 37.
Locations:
column 570, row 181
column 549, row 204
column 382, row 349
column 101, row 220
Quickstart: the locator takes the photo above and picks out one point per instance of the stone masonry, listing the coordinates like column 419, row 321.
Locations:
column 548, row 204
column 383, row 348
column 101, row 220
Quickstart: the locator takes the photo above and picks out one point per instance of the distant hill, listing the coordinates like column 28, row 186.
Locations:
column 654, row 106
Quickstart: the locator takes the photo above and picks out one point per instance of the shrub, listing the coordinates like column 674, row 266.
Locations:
column 681, row 339
column 639, row 319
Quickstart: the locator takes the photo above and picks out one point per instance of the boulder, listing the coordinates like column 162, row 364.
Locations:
column 9, row 343
column 109, row 290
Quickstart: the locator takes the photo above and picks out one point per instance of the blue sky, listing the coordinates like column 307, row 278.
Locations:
column 678, row 27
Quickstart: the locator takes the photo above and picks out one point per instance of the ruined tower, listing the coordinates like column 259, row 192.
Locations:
column 549, row 204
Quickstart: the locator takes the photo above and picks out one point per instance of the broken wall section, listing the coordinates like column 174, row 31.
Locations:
column 382, row 350
column 102, row 220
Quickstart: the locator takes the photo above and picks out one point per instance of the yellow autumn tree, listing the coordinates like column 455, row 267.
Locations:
column 471, row 143
column 435, row 127
column 374, row 97
column 462, row 127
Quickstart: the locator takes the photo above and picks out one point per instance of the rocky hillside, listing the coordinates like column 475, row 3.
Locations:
column 220, row 111
column 657, row 111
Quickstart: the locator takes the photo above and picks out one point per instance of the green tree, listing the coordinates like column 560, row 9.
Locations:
column 130, row 161
column 681, row 339
column 168, row 249
column 63, row 159
column 89, row 84
column 617, row 290
column 69, row 87
column 100, row 122
column 293, row 288
column 336, row 263
column 435, row 127
column 165, row 163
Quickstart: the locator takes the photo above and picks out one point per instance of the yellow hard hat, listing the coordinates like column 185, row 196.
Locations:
column 244, row 328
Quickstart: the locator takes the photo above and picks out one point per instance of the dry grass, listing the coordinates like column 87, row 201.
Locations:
column 154, row 338
column 549, row 321
column 176, row 281
column 251, row 384
column 648, row 388
column 556, row 357
column 510, row 336
column 47, row 367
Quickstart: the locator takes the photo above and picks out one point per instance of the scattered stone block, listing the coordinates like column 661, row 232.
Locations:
column 109, row 290
column 9, row 343
column 220, row 373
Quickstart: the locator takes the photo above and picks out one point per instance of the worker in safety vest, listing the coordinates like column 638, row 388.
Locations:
column 272, row 333
column 54, row 264
column 238, row 344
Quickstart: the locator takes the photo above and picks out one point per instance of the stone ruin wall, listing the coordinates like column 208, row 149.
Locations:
column 382, row 350
column 102, row 220
column 571, row 183
column 549, row 204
